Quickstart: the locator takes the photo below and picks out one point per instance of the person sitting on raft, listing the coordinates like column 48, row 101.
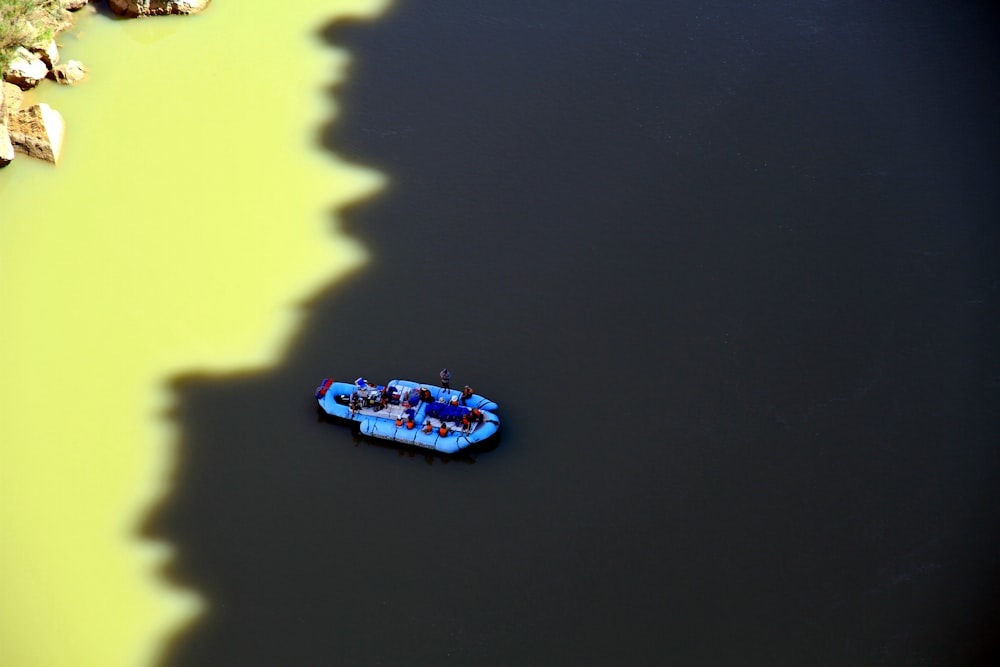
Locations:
column 466, row 393
column 443, row 429
column 428, row 427
column 409, row 422
column 391, row 395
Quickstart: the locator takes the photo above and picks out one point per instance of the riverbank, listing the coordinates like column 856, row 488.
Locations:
column 30, row 54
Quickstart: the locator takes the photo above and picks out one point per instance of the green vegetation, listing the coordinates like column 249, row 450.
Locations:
column 27, row 22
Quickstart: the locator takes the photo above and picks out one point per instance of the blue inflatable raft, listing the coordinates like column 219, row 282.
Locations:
column 445, row 420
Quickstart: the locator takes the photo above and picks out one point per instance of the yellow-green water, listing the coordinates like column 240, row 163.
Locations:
column 192, row 212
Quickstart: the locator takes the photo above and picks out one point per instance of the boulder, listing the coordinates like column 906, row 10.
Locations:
column 134, row 8
column 69, row 73
column 47, row 53
column 74, row 5
column 12, row 96
column 26, row 69
column 37, row 132
column 6, row 148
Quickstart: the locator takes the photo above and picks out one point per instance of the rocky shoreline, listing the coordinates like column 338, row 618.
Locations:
column 38, row 130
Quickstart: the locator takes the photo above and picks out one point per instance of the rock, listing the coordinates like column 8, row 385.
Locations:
column 13, row 96
column 74, row 5
column 134, row 8
column 6, row 148
column 70, row 73
column 26, row 69
column 37, row 132
column 48, row 53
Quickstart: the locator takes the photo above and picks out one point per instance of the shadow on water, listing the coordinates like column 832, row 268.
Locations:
column 684, row 246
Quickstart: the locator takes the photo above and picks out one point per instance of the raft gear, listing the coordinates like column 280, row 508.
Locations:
column 323, row 388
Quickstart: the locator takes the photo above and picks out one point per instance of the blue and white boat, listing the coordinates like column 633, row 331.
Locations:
column 445, row 420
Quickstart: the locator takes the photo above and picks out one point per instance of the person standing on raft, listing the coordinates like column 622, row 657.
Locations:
column 445, row 378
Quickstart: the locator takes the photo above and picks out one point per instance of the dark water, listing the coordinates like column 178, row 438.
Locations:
column 730, row 270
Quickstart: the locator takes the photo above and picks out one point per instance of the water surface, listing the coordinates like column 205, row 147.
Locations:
column 192, row 213
column 729, row 269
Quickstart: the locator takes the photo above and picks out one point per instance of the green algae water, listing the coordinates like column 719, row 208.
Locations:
column 193, row 211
